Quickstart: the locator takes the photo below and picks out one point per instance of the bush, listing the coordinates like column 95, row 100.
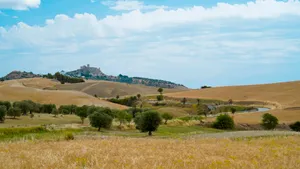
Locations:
column 160, row 98
column 189, row 118
column 295, row 126
column 224, row 121
column 159, row 104
column 69, row 136
column 269, row 121
column 148, row 122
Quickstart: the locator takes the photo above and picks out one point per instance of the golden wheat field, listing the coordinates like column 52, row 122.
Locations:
column 114, row 152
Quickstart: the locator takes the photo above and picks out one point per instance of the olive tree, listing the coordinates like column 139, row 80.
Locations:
column 123, row 117
column 2, row 113
column 14, row 112
column 269, row 121
column 100, row 119
column 82, row 113
column 148, row 121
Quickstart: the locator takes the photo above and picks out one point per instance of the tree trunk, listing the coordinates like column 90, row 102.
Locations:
column 166, row 121
column 150, row 133
column 99, row 128
column 82, row 121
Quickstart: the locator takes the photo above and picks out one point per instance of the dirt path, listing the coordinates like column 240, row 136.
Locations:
column 239, row 134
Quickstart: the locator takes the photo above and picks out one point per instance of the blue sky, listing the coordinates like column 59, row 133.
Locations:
column 192, row 42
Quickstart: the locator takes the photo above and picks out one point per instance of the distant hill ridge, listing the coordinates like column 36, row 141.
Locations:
column 96, row 74
column 19, row 75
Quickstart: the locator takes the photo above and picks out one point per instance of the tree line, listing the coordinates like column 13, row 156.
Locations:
column 63, row 78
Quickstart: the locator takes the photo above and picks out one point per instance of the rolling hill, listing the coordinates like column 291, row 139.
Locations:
column 112, row 89
column 30, row 89
column 284, row 98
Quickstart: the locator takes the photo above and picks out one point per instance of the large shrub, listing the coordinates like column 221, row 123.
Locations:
column 295, row 126
column 269, row 121
column 148, row 121
column 224, row 121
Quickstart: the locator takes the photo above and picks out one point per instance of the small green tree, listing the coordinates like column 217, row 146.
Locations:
column 203, row 109
column 117, row 97
column 233, row 110
column 166, row 117
column 224, row 121
column 123, row 117
column 149, row 122
column 2, row 113
column 138, row 96
column 160, row 90
column 100, row 120
column 269, row 121
column 82, row 112
column 295, row 126
column 54, row 112
column 14, row 112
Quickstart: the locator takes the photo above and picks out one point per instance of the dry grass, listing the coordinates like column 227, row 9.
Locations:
column 15, row 91
column 39, row 83
column 284, row 95
column 112, row 89
column 271, row 153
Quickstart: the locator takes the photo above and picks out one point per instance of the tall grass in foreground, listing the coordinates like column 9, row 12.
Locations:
column 273, row 152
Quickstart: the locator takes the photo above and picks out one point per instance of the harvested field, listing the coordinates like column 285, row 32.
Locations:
column 15, row 91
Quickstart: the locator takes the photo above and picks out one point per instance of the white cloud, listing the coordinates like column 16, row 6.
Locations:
column 181, row 41
column 19, row 4
column 130, row 5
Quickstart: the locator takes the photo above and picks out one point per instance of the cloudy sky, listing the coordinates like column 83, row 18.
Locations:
column 192, row 42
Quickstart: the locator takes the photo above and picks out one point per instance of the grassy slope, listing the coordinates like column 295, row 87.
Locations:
column 284, row 95
column 15, row 90
column 115, row 152
column 40, row 119
column 112, row 89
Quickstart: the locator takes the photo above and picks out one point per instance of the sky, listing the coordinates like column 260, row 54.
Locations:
column 191, row 42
